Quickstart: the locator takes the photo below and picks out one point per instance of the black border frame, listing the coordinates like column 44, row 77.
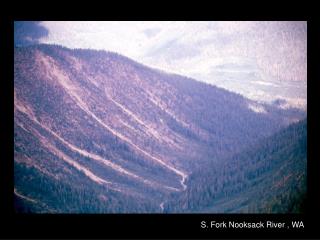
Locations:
column 152, row 225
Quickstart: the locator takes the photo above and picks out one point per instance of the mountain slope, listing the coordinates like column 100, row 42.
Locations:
column 96, row 121
column 268, row 177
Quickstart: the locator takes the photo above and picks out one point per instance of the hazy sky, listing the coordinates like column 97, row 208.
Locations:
column 261, row 60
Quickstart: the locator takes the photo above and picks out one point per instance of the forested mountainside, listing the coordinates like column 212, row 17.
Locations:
column 97, row 132
column 270, row 176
